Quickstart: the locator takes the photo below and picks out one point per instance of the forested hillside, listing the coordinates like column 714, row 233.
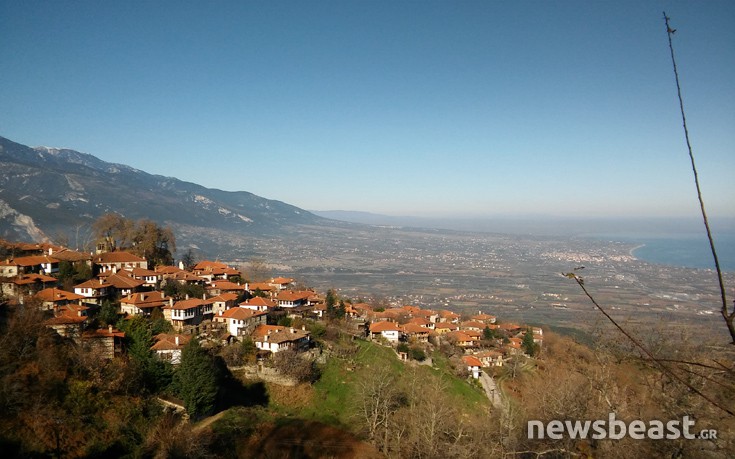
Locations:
column 62, row 400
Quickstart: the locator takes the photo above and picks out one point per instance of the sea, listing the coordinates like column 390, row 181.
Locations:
column 671, row 241
column 689, row 250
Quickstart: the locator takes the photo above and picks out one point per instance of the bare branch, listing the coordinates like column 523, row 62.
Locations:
column 727, row 315
column 643, row 349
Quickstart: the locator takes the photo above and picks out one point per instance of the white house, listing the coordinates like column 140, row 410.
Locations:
column 258, row 304
column 169, row 347
column 117, row 261
column 94, row 290
column 242, row 321
column 275, row 338
column 474, row 366
column 389, row 330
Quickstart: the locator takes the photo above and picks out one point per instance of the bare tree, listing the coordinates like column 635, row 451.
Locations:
column 378, row 401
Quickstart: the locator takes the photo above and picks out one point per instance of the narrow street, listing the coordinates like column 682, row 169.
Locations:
column 491, row 390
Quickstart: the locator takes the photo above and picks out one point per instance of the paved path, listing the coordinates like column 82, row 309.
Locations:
column 491, row 390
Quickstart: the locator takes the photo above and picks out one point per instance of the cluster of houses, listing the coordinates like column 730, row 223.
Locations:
column 238, row 309
column 235, row 308
column 416, row 325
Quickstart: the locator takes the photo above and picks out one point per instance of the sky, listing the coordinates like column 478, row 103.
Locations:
column 423, row 108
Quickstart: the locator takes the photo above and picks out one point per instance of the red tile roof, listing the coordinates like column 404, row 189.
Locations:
column 459, row 336
column 226, row 285
column 483, row 317
column 411, row 309
column 55, row 294
column 145, row 298
column 294, row 296
column 262, row 330
column 227, row 296
column 186, row 276
column 379, row 327
column 471, row 361
column 164, row 269
column 187, row 304
column 103, row 333
column 167, row 342
column 33, row 260
column 415, row 329
column 117, row 257
column 209, row 265
column 260, row 302
column 420, row 321
column 242, row 314
column 26, row 279
column 70, row 255
column 262, row 286
column 66, row 319
column 123, row 281
column 141, row 272
column 281, row 280
column 425, row 313
column 362, row 307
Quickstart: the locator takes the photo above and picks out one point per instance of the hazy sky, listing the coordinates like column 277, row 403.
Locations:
column 400, row 107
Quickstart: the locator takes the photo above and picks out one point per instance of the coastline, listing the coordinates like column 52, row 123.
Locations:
column 685, row 253
column 631, row 252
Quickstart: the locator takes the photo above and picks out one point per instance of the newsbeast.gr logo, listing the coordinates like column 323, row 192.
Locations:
column 615, row 429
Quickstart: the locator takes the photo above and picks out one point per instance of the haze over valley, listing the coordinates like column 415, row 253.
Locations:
column 518, row 276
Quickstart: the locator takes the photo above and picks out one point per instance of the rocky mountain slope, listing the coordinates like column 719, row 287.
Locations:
column 48, row 192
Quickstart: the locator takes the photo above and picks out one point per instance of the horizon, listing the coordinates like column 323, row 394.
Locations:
column 432, row 110
column 544, row 224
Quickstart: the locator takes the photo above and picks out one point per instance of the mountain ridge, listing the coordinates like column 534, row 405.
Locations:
column 47, row 191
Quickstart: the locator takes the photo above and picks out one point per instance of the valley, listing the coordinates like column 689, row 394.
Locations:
column 518, row 278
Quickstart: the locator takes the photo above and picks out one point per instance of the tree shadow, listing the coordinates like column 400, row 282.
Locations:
column 309, row 439
column 233, row 392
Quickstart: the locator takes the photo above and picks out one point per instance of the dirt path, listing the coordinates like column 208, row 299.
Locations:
column 208, row 421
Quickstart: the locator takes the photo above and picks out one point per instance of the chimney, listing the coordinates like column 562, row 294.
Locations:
column 142, row 297
column 204, row 297
column 187, row 296
column 303, row 328
column 176, row 339
column 109, row 328
column 181, row 265
column 292, row 330
column 171, row 302
column 265, row 338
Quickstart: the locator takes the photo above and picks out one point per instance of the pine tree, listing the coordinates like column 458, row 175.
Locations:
column 331, row 303
column 529, row 347
column 488, row 333
column 195, row 381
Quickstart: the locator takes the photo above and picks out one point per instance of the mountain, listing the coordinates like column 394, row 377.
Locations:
column 51, row 193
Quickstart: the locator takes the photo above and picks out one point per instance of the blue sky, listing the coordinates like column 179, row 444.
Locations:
column 426, row 108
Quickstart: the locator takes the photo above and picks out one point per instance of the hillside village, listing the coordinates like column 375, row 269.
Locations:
column 112, row 335
column 229, row 309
